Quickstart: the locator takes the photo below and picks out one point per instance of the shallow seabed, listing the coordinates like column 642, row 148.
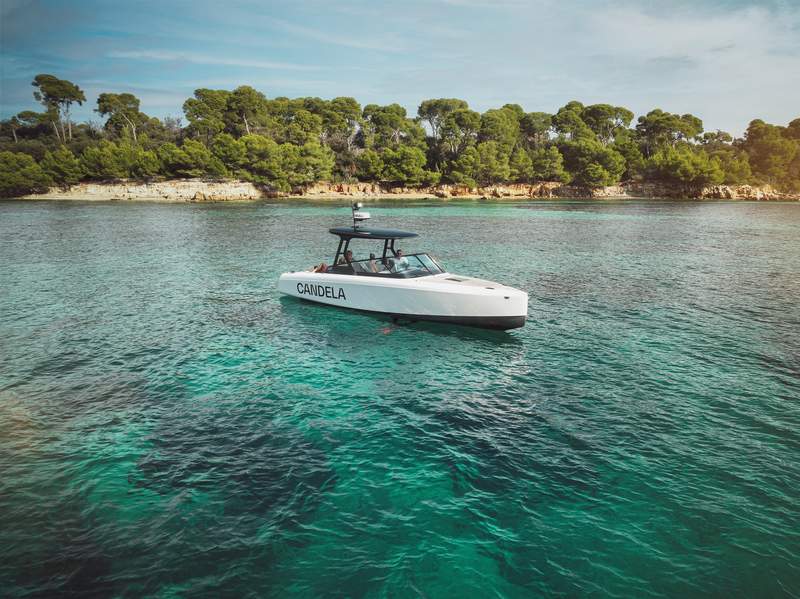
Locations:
column 170, row 426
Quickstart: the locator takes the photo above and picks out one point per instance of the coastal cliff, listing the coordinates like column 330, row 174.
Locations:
column 180, row 190
column 198, row 190
column 549, row 190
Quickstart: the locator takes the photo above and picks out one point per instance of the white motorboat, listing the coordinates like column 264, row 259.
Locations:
column 409, row 287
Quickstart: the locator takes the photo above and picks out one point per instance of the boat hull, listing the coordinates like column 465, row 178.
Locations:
column 440, row 298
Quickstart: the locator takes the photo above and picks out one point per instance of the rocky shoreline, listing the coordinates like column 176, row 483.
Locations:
column 197, row 190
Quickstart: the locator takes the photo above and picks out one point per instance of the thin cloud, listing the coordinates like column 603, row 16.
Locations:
column 671, row 63
column 355, row 41
column 167, row 56
column 486, row 3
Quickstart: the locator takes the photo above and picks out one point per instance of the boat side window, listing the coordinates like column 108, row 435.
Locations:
column 430, row 264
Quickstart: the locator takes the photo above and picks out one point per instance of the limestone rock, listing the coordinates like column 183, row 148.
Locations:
column 197, row 190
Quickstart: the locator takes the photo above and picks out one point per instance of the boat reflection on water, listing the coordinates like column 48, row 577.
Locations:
column 322, row 319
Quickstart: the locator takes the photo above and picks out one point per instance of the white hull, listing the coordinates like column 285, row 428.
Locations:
column 443, row 297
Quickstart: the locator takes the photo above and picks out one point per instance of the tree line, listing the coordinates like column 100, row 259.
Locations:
column 284, row 143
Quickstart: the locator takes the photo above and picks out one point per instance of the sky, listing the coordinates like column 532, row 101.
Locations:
column 726, row 61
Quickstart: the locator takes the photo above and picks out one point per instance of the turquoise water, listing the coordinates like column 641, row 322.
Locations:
column 170, row 426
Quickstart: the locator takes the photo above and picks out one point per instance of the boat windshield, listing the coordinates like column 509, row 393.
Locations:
column 411, row 266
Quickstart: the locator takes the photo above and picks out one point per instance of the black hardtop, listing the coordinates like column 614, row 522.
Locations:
column 363, row 233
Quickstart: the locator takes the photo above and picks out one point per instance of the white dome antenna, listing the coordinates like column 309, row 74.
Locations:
column 358, row 214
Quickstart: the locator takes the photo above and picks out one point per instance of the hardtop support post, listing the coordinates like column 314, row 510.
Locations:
column 338, row 251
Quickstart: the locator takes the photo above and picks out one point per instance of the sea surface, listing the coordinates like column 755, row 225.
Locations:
column 170, row 426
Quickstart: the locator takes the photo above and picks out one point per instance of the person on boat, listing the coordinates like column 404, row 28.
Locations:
column 401, row 263
column 373, row 266
column 347, row 258
column 320, row 268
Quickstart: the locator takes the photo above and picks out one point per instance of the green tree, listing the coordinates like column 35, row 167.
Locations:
column 135, row 161
column 341, row 119
column 146, row 165
column 388, row 126
column 316, row 163
column 175, row 162
column 535, row 128
column 303, row 127
column 202, row 162
column 606, row 120
column 520, row 165
column 58, row 96
column 34, row 148
column 263, row 162
column 459, row 130
column 732, row 160
column 102, row 162
column 626, row 144
column 770, row 152
column 291, row 166
column 691, row 127
column 280, row 112
column 153, row 132
column 245, row 109
column 592, row 164
column 500, row 126
column 20, row 175
column 658, row 129
column 122, row 111
column 569, row 124
column 445, row 130
column 734, row 164
column 464, row 169
column 713, row 140
column 31, row 119
column 791, row 182
column 493, row 164
column 547, row 164
column 793, row 130
column 369, row 166
column 12, row 124
column 405, row 165
column 230, row 151
column 28, row 121
column 62, row 166
column 685, row 166
column 516, row 110
column 206, row 112
column 301, row 165
column 434, row 112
